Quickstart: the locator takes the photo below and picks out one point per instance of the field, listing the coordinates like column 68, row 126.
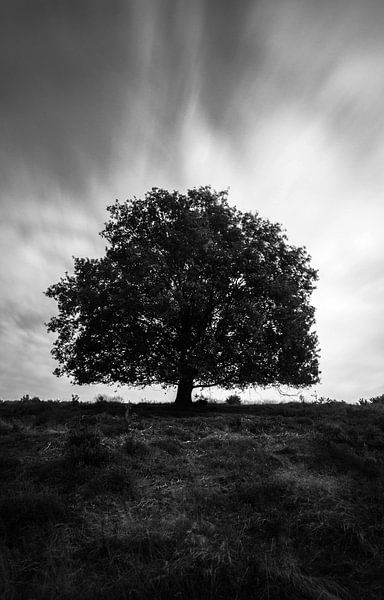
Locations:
column 280, row 501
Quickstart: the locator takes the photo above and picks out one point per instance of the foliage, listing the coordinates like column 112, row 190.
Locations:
column 190, row 292
column 378, row 400
column 202, row 401
column 327, row 400
column 233, row 400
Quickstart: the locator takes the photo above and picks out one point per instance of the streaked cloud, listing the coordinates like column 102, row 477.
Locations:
column 281, row 101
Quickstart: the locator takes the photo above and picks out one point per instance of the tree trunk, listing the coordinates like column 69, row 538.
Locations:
column 184, row 392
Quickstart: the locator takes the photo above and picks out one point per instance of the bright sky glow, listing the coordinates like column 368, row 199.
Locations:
column 281, row 102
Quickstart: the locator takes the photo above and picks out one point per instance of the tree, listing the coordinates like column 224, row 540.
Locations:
column 191, row 293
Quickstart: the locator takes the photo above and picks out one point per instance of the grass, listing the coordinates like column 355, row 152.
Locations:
column 270, row 502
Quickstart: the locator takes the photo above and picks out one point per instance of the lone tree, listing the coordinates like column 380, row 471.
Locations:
column 191, row 293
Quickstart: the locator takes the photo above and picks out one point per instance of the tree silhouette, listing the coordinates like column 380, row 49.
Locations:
column 191, row 293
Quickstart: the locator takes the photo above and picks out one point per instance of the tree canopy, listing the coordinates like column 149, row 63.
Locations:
column 191, row 292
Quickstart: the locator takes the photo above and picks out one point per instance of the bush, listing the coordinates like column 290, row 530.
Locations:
column 377, row 400
column 84, row 446
column 31, row 406
column 363, row 402
column 327, row 400
column 233, row 400
column 105, row 399
column 101, row 398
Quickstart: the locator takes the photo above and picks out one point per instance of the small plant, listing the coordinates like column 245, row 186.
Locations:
column 27, row 398
column 363, row 402
column 233, row 400
column 327, row 400
column 105, row 399
column 101, row 399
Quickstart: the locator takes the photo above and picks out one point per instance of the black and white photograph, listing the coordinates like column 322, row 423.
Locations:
column 191, row 299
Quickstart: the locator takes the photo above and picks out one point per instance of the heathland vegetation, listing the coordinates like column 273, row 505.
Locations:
column 269, row 501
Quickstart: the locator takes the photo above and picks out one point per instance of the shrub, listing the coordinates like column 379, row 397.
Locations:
column 112, row 405
column 31, row 406
column 327, row 400
column 101, row 398
column 377, row 400
column 233, row 400
column 84, row 446
column 105, row 399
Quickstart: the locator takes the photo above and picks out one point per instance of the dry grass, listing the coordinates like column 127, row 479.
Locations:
column 274, row 503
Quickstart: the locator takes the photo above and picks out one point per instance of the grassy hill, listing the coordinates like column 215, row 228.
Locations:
column 266, row 502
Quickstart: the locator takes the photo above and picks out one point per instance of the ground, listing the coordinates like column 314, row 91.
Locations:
column 266, row 502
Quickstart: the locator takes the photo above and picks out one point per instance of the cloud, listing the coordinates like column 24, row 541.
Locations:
column 281, row 101
column 64, row 70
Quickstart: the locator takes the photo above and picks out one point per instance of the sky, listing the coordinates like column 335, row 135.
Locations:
column 279, row 101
